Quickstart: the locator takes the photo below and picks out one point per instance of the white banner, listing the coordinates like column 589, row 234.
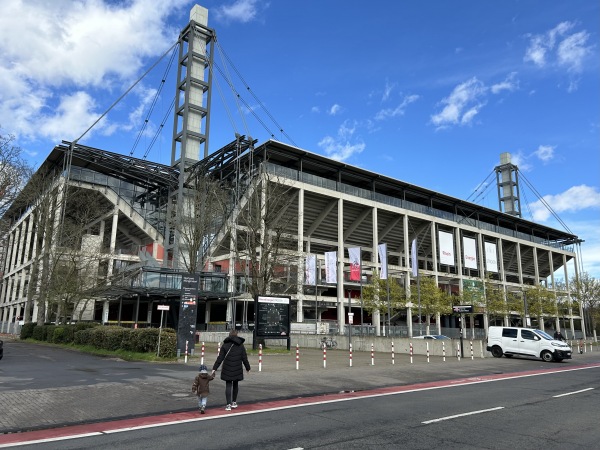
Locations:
column 382, row 250
column 413, row 258
column 446, row 244
column 470, row 253
column 331, row 267
column 310, row 270
column 491, row 257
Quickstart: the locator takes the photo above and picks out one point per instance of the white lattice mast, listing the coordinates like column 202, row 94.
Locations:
column 191, row 121
column 507, row 179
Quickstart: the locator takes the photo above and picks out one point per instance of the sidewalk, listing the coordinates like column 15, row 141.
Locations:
column 169, row 388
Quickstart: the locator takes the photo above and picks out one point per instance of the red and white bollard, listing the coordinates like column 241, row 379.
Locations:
column 202, row 354
column 324, row 356
column 350, row 355
column 411, row 353
column 393, row 362
column 297, row 357
column 372, row 354
column 472, row 357
column 427, row 350
column 259, row 357
column 443, row 351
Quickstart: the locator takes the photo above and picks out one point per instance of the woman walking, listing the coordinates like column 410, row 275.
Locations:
column 234, row 359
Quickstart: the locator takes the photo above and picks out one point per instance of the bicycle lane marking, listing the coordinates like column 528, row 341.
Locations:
column 96, row 429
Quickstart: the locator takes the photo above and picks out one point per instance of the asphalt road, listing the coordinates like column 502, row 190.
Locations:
column 46, row 388
column 548, row 410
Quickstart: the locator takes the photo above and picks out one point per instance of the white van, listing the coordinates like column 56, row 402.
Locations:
column 510, row 341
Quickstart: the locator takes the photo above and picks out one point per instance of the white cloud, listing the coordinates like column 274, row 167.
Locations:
column 558, row 48
column 510, row 84
column 467, row 99
column 387, row 91
column 572, row 51
column 590, row 248
column 76, row 48
column 344, row 145
column 334, row 110
column 239, row 11
column 315, row 109
column 573, row 199
column 459, row 108
column 520, row 160
column 542, row 44
column 398, row 110
column 545, row 152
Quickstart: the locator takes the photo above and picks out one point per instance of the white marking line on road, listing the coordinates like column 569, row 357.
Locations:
column 303, row 405
column 571, row 393
column 462, row 415
column 42, row 441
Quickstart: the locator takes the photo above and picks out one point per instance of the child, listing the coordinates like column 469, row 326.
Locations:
column 200, row 387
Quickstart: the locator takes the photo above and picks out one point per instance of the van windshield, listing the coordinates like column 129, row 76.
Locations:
column 544, row 335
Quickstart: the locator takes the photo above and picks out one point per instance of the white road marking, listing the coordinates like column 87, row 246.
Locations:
column 462, row 415
column 304, row 405
column 56, row 439
column 571, row 393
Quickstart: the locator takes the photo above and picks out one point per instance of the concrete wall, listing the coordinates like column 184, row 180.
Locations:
column 363, row 344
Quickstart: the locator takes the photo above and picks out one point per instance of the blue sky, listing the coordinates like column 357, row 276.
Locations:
column 428, row 92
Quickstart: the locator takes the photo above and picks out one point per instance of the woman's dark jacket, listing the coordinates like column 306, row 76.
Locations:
column 234, row 358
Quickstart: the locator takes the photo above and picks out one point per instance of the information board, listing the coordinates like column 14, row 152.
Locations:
column 186, row 327
column 272, row 318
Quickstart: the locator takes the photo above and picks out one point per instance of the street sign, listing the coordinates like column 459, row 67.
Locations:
column 350, row 318
column 162, row 307
column 462, row 309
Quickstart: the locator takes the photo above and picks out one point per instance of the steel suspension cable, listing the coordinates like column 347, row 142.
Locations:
column 153, row 104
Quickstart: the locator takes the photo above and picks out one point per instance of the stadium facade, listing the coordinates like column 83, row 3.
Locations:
column 135, row 246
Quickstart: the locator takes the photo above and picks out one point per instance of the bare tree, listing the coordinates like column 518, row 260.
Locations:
column 14, row 173
column 586, row 289
column 200, row 218
column 263, row 229
column 75, row 259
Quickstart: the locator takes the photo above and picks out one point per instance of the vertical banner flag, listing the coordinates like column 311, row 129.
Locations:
column 331, row 267
column 446, row 244
column 310, row 270
column 354, row 254
column 470, row 254
column 491, row 258
column 413, row 253
column 382, row 249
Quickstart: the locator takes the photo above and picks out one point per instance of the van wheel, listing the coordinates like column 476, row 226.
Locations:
column 496, row 352
column 547, row 356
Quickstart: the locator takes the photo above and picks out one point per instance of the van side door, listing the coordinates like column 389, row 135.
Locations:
column 529, row 343
column 509, row 340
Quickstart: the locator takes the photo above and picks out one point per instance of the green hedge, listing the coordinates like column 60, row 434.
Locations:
column 141, row 340
column 27, row 330
column 112, row 338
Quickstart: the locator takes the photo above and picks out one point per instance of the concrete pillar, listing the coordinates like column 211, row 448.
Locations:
column 374, row 255
column 407, row 273
column 105, row 306
column 301, row 259
column 113, row 242
column 340, row 266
